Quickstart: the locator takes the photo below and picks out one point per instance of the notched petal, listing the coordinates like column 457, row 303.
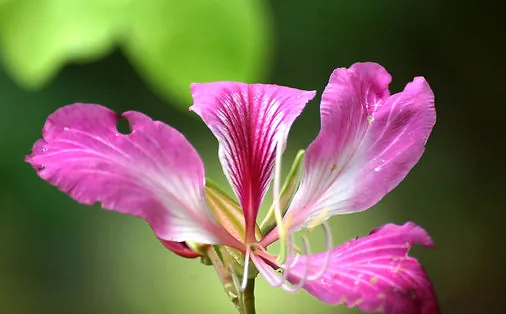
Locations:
column 153, row 172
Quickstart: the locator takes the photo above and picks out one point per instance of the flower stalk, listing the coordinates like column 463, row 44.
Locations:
column 248, row 298
column 243, row 299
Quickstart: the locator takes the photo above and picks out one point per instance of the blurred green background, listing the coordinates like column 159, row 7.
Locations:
column 61, row 257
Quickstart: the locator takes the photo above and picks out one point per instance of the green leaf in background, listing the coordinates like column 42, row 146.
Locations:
column 170, row 42
column 37, row 37
column 174, row 43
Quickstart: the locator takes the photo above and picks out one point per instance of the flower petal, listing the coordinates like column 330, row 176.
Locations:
column 180, row 248
column 374, row 273
column 248, row 121
column 368, row 143
column 153, row 172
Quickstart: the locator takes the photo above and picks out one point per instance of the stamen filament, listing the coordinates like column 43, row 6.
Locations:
column 286, row 268
column 246, row 267
column 303, row 280
column 295, row 260
column 276, row 280
column 286, row 194
column 276, row 196
column 328, row 253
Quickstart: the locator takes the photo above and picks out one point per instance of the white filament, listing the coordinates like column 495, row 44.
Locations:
column 328, row 253
column 244, row 282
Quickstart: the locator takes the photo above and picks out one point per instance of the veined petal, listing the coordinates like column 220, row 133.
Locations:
column 153, row 172
column 248, row 121
column 374, row 273
column 368, row 143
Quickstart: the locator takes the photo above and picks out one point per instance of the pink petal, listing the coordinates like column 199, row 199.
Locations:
column 153, row 172
column 368, row 142
column 180, row 248
column 267, row 270
column 374, row 273
column 247, row 121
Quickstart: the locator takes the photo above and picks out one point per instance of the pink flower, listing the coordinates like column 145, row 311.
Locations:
column 368, row 142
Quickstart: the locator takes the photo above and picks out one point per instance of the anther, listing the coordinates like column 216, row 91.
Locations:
column 318, row 220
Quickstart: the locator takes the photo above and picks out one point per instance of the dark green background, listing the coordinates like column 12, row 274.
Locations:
column 61, row 257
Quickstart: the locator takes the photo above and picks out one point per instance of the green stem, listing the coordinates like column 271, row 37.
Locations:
column 248, row 298
column 244, row 301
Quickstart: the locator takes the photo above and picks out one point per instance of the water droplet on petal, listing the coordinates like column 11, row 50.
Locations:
column 377, row 169
column 44, row 149
column 370, row 119
column 65, row 129
column 42, row 167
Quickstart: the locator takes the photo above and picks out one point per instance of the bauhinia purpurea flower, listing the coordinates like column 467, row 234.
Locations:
column 368, row 142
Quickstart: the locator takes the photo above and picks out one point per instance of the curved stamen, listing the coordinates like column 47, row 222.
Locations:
column 286, row 271
column 328, row 252
column 279, row 280
column 303, row 279
column 244, row 282
column 286, row 268
column 276, row 187
column 295, row 260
